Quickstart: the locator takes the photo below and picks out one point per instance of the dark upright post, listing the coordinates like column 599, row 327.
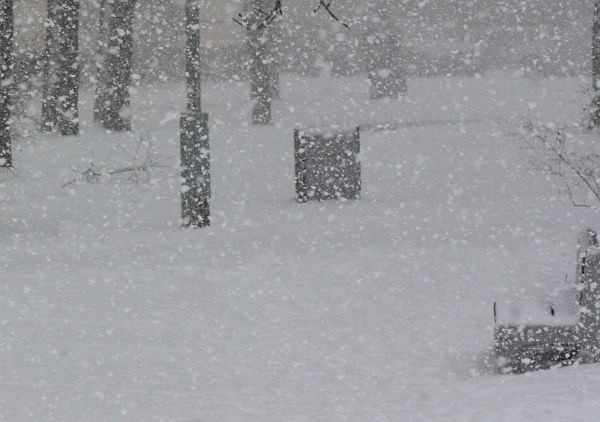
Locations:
column 6, row 65
column 195, row 152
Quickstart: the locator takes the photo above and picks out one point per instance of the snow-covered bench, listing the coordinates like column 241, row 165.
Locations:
column 538, row 337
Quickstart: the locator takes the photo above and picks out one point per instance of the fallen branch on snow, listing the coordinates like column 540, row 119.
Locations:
column 94, row 173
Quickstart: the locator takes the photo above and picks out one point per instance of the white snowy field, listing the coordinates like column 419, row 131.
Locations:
column 370, row 310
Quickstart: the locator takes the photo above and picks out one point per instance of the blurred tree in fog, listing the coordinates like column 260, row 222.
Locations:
column 264, row 51
column 6, row 65
column 113, row 66
column 61, row 68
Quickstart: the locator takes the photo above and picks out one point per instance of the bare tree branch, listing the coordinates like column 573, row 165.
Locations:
column 556, row 156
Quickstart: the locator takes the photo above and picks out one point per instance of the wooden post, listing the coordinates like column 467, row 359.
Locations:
column 6, row 66
column 194, row 140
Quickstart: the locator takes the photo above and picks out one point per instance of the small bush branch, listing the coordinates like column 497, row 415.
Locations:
column 557, row 157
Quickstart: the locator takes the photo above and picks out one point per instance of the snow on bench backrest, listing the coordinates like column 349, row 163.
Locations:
column 585, row 240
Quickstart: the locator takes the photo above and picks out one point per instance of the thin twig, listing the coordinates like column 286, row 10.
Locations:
column 583, row 167
column 570, row 193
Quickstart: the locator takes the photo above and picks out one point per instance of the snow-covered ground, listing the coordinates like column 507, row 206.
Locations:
column 375, row 310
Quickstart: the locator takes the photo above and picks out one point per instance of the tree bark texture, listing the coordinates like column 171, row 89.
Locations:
column 595, row 109
column 113, row 69
column 61, row 68
column 6, row 67
column 193, row 67
column 194, row 141
column 195, row 170
column 264, row 52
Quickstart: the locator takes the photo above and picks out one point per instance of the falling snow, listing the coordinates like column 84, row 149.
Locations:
column 374, row 308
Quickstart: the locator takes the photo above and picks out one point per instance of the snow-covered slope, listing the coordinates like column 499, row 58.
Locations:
column 376, row 310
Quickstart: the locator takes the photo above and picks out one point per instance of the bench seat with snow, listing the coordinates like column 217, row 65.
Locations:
column 538, row 336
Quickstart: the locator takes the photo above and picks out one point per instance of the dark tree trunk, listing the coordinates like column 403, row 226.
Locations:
column 50, row 91
column 264, row 64
column 383, row 54
column 61, row 69
column 6, row 66
column 275, row 40
column 115, row 53
column 194, row 141
column 101, row 46
column 193, row 68
column 68, row 91
column 195, row 170
column 595, row 109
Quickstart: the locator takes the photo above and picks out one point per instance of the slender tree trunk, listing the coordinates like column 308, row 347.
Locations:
column 115, row 48
column 253, row 44
column 194, row 134
column 101, row 47
column 263, row 69
column 61, row 70
column 68, row 91
column 6, row 66
column 274, row 41
column 193, row 63
column 595, row 109
column 50, row 90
